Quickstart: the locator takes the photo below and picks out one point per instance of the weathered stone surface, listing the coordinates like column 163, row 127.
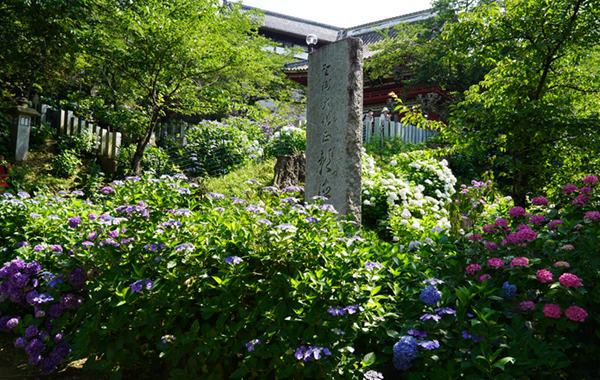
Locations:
column 334, row 125
column 290, row 170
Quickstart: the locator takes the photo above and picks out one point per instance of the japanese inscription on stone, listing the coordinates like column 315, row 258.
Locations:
column 334, row 130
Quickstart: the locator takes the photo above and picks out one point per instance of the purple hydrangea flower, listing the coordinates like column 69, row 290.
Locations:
column 433, row 281
column 417, row 333
column 74, row 222
column 31, row 331
column 311, row 219
column 138, row 285
column 47, row 365
column 20, row 342
column 250, row 345
column 107, row 190
column 185, row 246
column 405, row 350
column 13, row 322
column 77, row 277
column 264, row 221
column 33, row 268
column 216, row 196
column 371, row 266
column 336, row 311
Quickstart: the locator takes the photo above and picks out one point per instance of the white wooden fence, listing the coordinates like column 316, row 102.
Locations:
column 108, row 143
column 379, row 130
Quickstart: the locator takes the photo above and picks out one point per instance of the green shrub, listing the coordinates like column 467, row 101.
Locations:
column 66, row 163
column 215, row 148
column 286, row 141
column 79, row 143
column 155, row 160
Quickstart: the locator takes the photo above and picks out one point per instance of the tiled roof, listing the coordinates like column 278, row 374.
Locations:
column 297, row 27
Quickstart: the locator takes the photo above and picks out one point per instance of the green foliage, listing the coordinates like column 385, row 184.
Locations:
column 40, row 134
column 234, row 183
column 79, row 143
column 66, row 163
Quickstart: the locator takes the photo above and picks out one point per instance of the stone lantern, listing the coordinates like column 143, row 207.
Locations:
column 21, row 126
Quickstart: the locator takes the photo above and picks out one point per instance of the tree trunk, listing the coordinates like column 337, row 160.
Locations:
column 290, row 170
column 136, row 162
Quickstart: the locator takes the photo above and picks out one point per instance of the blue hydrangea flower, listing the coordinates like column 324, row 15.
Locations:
column 430, row 295
column 509, row 290
column 405, row 350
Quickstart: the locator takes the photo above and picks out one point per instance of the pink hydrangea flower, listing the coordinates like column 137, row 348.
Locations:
column 592, row 215
column 519, row 262
column 527, row 305
column 569, row 189
column 552, row 310
column 537, row 219
column 555, row 223
column 495, row 263
column 490, row 246
column 590, row 180
column 586, row 190
column 516, row 211
column 569, row 280
column 501, row 223
column 484, row 277
column 568, row 247
column 527, row 234
column 539, row 201
column 475, row 237
column 559, row 264
column 575, row 313
column 543, row 276
column 473, row 268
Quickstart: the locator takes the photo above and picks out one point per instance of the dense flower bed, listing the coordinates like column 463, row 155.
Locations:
column 156, row 279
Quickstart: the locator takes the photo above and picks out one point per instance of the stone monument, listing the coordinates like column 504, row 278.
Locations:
column 334, row 125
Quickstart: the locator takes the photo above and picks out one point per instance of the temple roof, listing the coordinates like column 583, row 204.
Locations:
column 297, row 27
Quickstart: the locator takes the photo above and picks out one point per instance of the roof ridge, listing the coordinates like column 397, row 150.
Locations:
column 294, row 18
column 388, row 19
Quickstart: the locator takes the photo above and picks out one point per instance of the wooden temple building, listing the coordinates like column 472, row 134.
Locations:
column 290, row 31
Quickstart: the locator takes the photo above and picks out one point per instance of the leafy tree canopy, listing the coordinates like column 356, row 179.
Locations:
column 153, row 57
column 539, row 102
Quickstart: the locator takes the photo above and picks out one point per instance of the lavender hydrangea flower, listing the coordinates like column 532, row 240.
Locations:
column 42, row 298
column 185, row 246
column 335, row 311
column 233, row 260
column 445, row 310
column 430, row 344
column 216, row 196
column 371, row 266
column 184, row 190
column 264, row 221
column 307, row 354
column 33, row 268
column 433, row 281
column 12, row 323
column 373, row 375
column 435, row 317
column 311, row 219
column 417, row 333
